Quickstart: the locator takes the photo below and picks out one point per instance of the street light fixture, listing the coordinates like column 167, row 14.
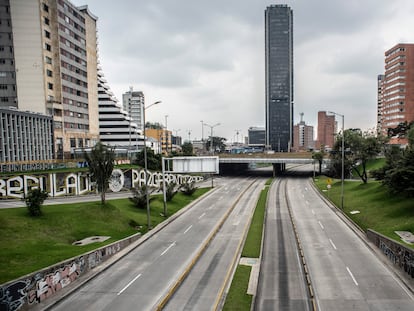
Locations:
column 211, row 134
column 343, row 157
column 146, row 165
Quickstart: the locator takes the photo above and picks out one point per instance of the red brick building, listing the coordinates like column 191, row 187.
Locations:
column 326, row 130
column 397, row 102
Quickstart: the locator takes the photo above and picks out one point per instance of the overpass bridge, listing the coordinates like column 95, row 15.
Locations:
column 278, row 160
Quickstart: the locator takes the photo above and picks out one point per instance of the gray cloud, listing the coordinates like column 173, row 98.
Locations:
column 205, row 59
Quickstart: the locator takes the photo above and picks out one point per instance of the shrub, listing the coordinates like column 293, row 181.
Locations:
column 34, row 201
column 189, row 188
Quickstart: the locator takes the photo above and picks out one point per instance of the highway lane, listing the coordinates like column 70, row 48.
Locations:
column 345, row 273
column 204, row 286
column 281, row 283
column 141, row 278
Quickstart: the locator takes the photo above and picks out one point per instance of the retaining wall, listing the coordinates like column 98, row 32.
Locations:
column 34, row 288
column 399, row 255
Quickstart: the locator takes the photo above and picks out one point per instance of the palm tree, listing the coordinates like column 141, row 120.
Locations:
column 101, row 163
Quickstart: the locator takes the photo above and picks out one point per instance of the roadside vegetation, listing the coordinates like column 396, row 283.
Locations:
column 378, row 209
column 31, row 243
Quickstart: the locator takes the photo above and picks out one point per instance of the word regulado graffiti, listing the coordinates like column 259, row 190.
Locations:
column 61, row 184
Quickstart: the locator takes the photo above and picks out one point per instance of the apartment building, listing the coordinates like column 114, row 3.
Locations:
column 396, row 91
column 117, row 128
column 326, row 130
column 133, row 102
column 303, row 136
column 55, row 67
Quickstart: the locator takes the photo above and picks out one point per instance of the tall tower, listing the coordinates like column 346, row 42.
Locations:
column 397, row 98
column 279, row 77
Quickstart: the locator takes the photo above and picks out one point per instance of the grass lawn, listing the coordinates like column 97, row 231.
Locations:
column 237, row 299
column 28, row 244
column 379, row 210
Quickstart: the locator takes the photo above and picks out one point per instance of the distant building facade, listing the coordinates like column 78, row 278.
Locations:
column 256, row 136
column 279, row 77
column 326, row 130
column 133, row 102
column 303, row 136
column 396, row 104
column 163, row 136
column 380, row 102
column 26, row 140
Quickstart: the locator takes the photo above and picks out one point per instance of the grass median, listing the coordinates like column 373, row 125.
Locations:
column 237, row 297
column 28, row 244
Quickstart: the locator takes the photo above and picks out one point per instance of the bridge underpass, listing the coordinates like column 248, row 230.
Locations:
column 237, row 163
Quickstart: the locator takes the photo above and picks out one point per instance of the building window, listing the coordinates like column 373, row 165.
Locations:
column 47, row 34
column 73, row 143
column 45, row 7
column 49, row 73
column 2, row 61
column 48, row 47
column 47, row 22
column 50, row 86
column 48, row 60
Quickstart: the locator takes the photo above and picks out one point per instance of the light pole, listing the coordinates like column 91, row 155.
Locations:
column 343, row 157
column 146, row 165
column 166, row 134
column 211, row 134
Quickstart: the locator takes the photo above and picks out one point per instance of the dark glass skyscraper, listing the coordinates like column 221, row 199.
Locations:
column 279, row 77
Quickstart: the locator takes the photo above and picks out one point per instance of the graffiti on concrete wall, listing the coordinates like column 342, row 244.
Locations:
column 62, row 184
column 400, row 256
column 41, row 286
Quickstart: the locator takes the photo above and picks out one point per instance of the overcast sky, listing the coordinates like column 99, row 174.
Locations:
column 205, row 59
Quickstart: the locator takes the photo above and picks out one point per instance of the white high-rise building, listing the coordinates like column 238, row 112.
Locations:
column 133, row 102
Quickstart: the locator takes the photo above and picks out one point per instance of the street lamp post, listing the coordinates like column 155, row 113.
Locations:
column 343, row 158
column 146, row 166
column 211, row 134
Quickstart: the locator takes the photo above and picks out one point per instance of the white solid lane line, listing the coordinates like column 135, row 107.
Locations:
column 352, row 276
column 129, row 284
column 168, row 248
column 188, row 229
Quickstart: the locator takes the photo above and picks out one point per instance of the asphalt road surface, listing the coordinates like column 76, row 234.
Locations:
column 281, row 283
column 345, row 273
column 204, row 287
column 139, row 280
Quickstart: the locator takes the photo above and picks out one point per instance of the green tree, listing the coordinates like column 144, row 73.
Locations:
column 359, row 149
column 153, row 160
column 218, row 143
column 101, row 163
column 400, row 176
column 187, row 149
column 318, row 156
column 34, row 201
